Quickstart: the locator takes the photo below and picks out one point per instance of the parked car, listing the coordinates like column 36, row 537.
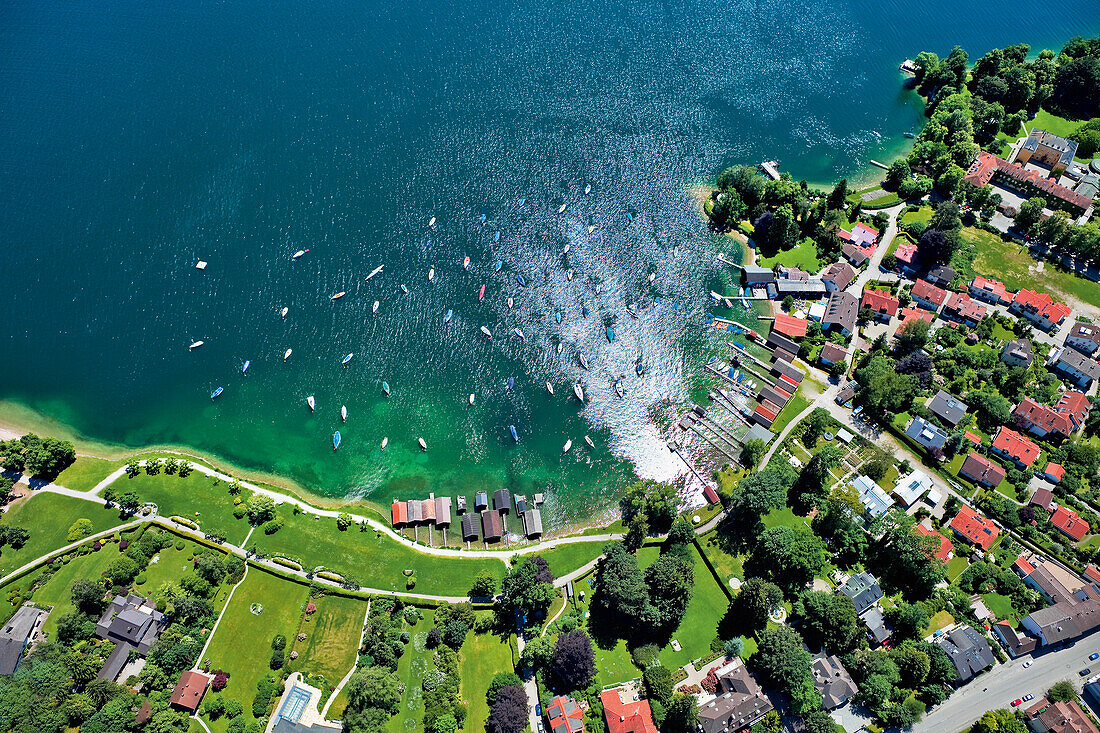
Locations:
column 1084, row 672
column 1016, row 702
column 1028, row 696
column 1027, row 664
column 1094, row 655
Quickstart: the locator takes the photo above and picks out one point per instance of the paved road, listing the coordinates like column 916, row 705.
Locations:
column 1006, row 682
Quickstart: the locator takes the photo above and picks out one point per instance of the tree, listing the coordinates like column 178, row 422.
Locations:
column 371, row 689
column 79, row 529
column 815, row 424
column 573, row 661
column 913, row 336
column 620, row 594
column 898, row 172
column 789, row 556
column 15, row 536
column 837, row 196
column 999, row 721
column 261, row 509
column 6, row 486
column 528, row 587
column 485, row 585
column 656, row 502
column 909, row 621
column 788, row 303
column 828, row 620
column 756, row 600
column 499, row 682
column 1076, row 91
column 670, row 582
column 87, row 596
column 133, row 468
column 343, row 521
column 758, row 493
column 129, row 502
column 1062, row 691
column 1030, row 212
column 445, row 723
column 121, row 571
column 913, row 664
column 681, row 714
column 509, row 713
column 781, row 660
column 818, row 721
column 211, row 567
column 46, row 457
column 991, row 409
column 902, row 556
column 658, row 683
column 811, row 488
column 752, row 452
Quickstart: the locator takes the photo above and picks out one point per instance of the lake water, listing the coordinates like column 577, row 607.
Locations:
column 138, row 138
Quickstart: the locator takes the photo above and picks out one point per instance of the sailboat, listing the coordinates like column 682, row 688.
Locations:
column 549, row 387
column 569, row 275
column 588, row 189
column 346, row 359
column 591, row 228
column 471, row 398
column 374, row 272
column 619, row 388
column 561, row 209
column 496, row 237
column 385, row 442
column 511, row 383
column 423, row 445
column 431, row 222
column 512, row 430
column 511, row 301
column 481, row 294
column 578, row 392
column 568, row 445
column 519, row 333
column 521, row 281
column 522, row 202
column 652, row 276
column 485, row 330
column 610, row 334
column 343, row 413
column 584, row 311
column 196, row 344
column 287, row 353
column 561, row 346
column 448, row 315
column 583, row 360
column 298, row 254
column 633, row 313
column 217, row 393
column 284, row 311
column 385, row 388
column 336, row 440
column 484, row 218
column 466, row 263
column 565, row 250
column 431, row 273
column 337, row 296
column 498, row 265
column 404, row 289
column 312, row 403
column 245, row 366
column 589, row 441
column 374, row 308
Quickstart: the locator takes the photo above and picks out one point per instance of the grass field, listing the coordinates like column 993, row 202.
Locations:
column 86, row 473
column 1001, row 606
column 332, row 641
column 48, row 517
column 803, row 255
column 793, row 408
column 941, row 620
column 923, row 215
column 1010, row 262
column 56, row 591
column 784, row 517
column 411, row 667
column 956, row 566
column 726, row 565
column 481, row 657
column 372, row 558
column 195, row 497
column 564, row 559
column 170, row 564
column 708, row 605
column 242, row 642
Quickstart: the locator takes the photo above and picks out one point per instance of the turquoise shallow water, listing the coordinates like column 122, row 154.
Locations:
column 136, row 139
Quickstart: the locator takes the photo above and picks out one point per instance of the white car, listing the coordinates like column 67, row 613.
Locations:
column 1027, row 664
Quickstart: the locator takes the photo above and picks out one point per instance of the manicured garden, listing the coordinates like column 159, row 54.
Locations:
column 803, row 256
column 56, row 591
column 47, row 517
column 198, row 497
column 332, row 640
column 411, row 667
column 86, row 472
column 482, row 656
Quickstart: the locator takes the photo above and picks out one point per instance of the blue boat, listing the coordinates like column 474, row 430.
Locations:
column 511, row 383
column 496, row 237
column 385, row 388
column 336, row 440
column 447, row 317
column 483, row 218
column 522, row 202
column 512, row 430
column 557, row 316
column 610, row 334
column 217, row 393
column 498, row 265
column 584, row 311
column 630, row 215
column 244, row 369
column 521, row 281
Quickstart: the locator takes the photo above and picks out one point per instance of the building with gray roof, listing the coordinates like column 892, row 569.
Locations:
column 17, row 634
column 739, row 703
column 131, row 622
column 833, row 681
column 1048, row 149
column 928, row 435
column 863, row 589
column 969, row 651
column 532, row 523
column 947, row 407
column 469, row 527
column 841, row 312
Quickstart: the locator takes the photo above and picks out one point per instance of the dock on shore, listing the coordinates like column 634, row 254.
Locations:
column 770, row 168
column 883, row 166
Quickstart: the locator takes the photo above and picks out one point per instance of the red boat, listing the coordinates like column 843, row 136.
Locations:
column 481, row 293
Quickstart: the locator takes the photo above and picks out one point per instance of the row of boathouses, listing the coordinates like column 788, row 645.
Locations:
column 482, row 522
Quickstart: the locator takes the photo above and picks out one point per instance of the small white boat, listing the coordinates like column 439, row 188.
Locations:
column 485, row 330
column 337, row 296
column 567, row 446
column 196, row 344
column 299, row 253
column 583, row 360
column 284, row 311
column 287, row 353
column 511, row 301
column 588, row 189
column 471, row 398
column 374, row 272
column 346, row 359
column 561, row 346
column 566, row 250
column 561, row 209
column 591, row 228
column 245, row 366
column 431, row 222
column 466, row 263
column 519, row 333
column 549, row 388
column 374, row 308
column 431, row 273
column 312, row 403
column 423, row 445
column 578, row 392
column 569, row 275
column 404, row 289
column 385, row 442
column 343, row 413
column 652, row 276
column 589, row 441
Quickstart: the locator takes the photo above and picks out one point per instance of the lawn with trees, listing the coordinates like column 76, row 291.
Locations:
column 46, row 518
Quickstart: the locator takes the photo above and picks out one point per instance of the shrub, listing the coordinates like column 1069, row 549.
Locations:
column 180, row 545
column 79, row 529
column 277, row 659
column 278, row 642
column 221, row 679
column 645, row 655
column 140, row 579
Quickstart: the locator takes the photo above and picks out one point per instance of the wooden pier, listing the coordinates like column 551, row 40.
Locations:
column 741, row 351
column 770, row 168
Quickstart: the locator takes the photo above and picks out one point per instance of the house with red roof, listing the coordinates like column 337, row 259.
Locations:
column 864, row 235
column 790, row 326
column 565, row 715
column 626, row 717
column 988, row 168
column 884, row 305
column 905, row 254
column 400, row 513
column 928, row 295
column 990, row 291
column 710, row 494
column 1076, row 405
column 1092, row 573
column 1070, row 523
column 1054, row 472
column 959, row 307
column 946, row 546
column 982, row 471
column 972, row 437
column 1039, row 308
column 974, row 528
column 915, row 314
column 855, row 254
column 1007, row 443
column 1023, row 567
column 188, row 692
column 1041, row 421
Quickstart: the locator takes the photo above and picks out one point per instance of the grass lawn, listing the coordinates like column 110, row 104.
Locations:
column 1009, row 262
column 923, row 215
column 956, row 566
column 803, row 255
column 372, row 558
column 699, row 626
column 1002, row 333
column 195, row 497
column 55, row 592
column 1000, row 605
column 170, row 564
column 794, row 408
column 1052, row 123
column 411, row 667
column 783, row 517
column 482, row 656
column 942, row 619
column 726, row 565
column 47, row 517
column 332, row 641
column 86, row 473
column 564, row 559
column 242, row 642
column 889, row 480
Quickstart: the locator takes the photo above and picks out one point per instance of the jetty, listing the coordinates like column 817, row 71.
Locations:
column 883, row 166
column 770, row 169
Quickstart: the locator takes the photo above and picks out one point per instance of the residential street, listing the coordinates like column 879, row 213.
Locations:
column 1007, row 682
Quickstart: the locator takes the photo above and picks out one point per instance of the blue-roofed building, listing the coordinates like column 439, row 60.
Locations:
column 928, row 435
